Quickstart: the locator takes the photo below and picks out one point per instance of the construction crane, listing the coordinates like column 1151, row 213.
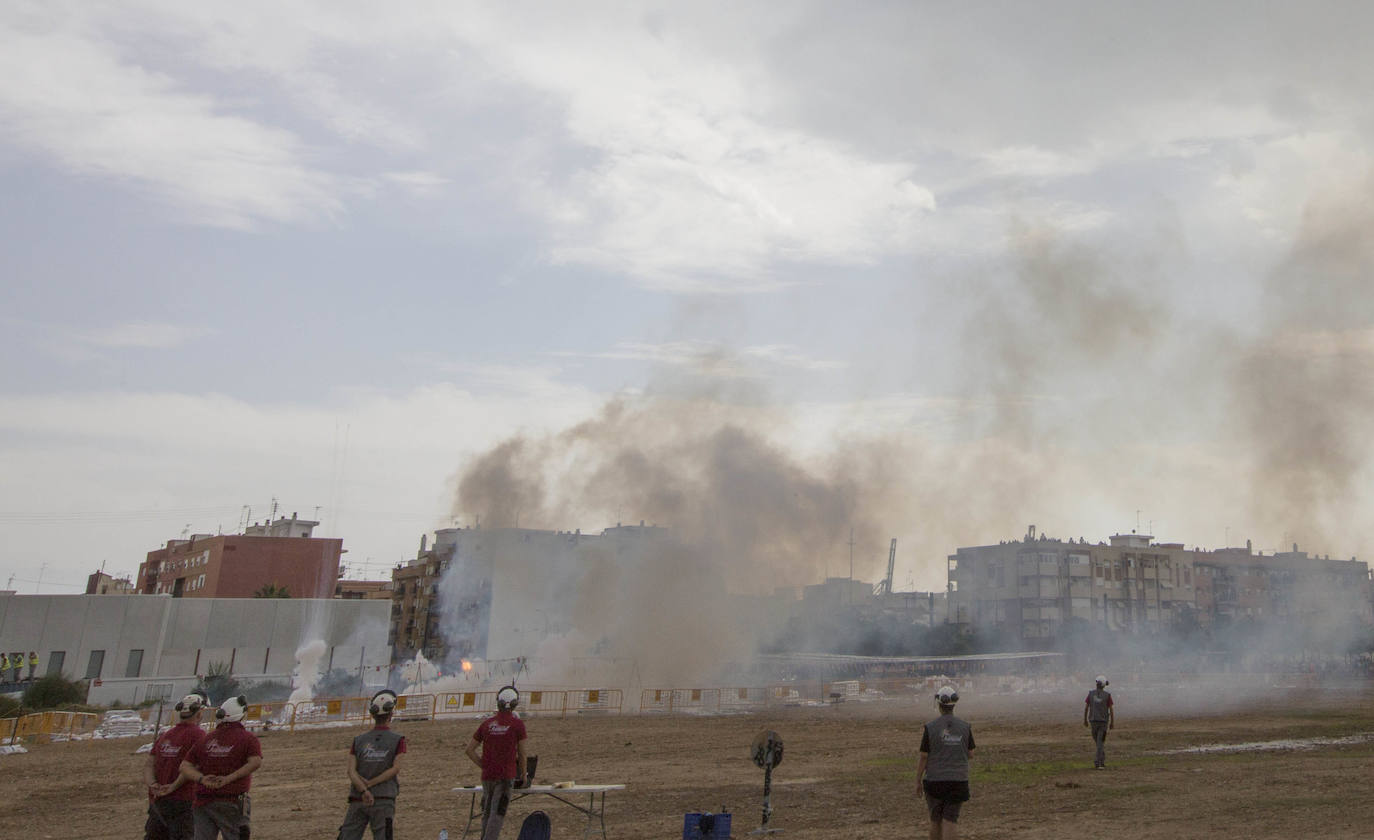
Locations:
column 884, row 586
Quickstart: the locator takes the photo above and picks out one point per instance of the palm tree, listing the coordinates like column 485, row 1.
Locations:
column 272, row 590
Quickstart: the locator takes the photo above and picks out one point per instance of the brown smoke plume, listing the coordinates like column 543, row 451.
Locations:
column 1305, row 393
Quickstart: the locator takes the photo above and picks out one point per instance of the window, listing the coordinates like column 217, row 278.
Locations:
column 135, row 663
column 56, row 659
column 97, row 662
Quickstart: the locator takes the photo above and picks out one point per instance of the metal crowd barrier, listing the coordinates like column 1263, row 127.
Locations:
column 593, row 700
column 46, row 726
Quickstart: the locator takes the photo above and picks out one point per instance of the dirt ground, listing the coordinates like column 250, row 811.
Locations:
column 848, row 771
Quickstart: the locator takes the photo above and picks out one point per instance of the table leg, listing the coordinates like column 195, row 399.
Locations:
column 472, row 813
column 595, row 815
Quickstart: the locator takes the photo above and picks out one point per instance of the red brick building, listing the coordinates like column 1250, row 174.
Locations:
column 363, row 590
column 99, row 583
column 281, row 554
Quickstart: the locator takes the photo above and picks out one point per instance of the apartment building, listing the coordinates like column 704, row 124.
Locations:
column 1031, row 587
column 282, row 554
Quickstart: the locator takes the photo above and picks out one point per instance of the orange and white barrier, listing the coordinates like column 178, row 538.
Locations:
column 607, row 700
column 543, row 702
column 415, row 706
column 319, row 711
column 469, row 703
column 683, row 700
column 742, row 699
column 47, row 726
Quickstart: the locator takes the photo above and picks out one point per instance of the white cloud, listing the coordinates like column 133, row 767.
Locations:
column 72, row 97
column 1036, row 162
column 147, row 336
column 714, row 359
column 691, row 188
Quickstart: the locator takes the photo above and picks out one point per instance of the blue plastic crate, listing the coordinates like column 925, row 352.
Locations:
column 692, row 824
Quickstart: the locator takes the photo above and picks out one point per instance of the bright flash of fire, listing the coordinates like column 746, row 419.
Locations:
column 467, row 666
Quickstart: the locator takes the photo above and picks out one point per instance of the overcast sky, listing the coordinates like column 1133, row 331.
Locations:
column 1091, row 255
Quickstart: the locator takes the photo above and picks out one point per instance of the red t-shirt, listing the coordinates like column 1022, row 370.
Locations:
column 221, row 753
column 169, row 749
column 500, row 736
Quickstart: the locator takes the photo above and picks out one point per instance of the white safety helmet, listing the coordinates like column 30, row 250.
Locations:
column 507, row 698
column 1101, row 681
column 383, row 703
column 192, row 703
column 233, row 709
column 947, row 696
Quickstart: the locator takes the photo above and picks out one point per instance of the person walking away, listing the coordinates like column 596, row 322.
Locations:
column 169, row 791
column 33, row 664
column 502, row 759
column 373, row 764
column 222, row 767
column 1100, row 716
column 942, row 772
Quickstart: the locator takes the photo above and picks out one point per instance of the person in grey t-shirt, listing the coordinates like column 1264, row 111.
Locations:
column 946, row 745
column 373, row 763
column 1100, row 716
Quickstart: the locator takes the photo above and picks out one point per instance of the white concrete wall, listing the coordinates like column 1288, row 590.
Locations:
column 182, row 637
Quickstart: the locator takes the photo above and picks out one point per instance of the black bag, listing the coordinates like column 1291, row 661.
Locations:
column 535, row 827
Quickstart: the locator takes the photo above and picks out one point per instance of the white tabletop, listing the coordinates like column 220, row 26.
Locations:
column 548, row 789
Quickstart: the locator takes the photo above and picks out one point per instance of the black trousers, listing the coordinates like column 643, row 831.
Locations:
column 169, row 819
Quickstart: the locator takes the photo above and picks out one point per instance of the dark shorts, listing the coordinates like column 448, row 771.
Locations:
column 944, row 799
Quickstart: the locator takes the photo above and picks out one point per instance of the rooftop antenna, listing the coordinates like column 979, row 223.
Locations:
column 271, row 518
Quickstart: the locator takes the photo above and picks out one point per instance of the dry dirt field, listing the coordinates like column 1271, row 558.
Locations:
column 847, row 772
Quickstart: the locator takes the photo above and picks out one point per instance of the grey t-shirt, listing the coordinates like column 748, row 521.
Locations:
column 375, row 751
column 1099, row 701
column 948, row 740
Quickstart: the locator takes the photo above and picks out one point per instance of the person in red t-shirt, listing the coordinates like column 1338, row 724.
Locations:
column 169, row 792
column 222, row 767
column 502, row 739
